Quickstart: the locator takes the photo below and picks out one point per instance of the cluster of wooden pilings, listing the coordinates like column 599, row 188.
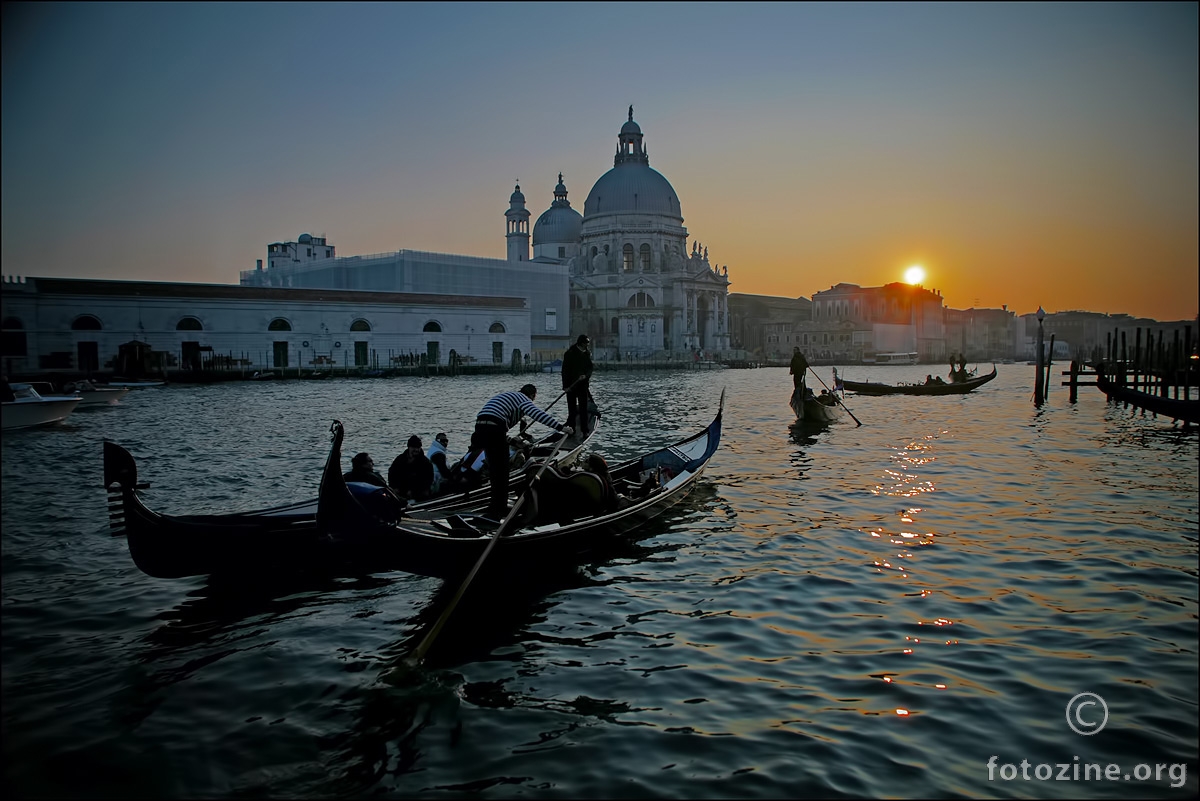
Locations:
column 1158, row 367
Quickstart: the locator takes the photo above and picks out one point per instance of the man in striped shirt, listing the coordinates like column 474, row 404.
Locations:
column 498, row 415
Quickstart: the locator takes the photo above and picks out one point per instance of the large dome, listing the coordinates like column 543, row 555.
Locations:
column 632, row 188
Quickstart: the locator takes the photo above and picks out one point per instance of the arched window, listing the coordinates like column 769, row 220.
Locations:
column 640, row 301
column 12, row 324
column 496, row 328
column 360, row 325
column 189, row 324
column 576, row 303
column 615, row 325
column 644, row 258
column 279, row 324
column 591, row 300
column 432, row 327
column 627, row 258
column 85, row 322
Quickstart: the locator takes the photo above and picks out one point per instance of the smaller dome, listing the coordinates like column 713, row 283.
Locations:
column 631, row 127
column 517, row 197
column 558, row 224
column 305, row 239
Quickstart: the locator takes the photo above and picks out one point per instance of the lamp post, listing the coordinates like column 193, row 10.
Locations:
column 1037, row 381
column 470, row 331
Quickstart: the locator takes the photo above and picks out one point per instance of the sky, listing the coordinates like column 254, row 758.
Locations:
column 1023, row 154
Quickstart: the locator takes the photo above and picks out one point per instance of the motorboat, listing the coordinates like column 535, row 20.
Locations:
column 94, row 395
column 27, row 408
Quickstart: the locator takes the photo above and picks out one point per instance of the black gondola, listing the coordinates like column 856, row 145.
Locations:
column 173, row 546
column 562, row 517
column 815, row 410
column 953, row 388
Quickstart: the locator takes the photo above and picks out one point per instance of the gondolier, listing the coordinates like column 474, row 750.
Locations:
column 798, row 369
column 498, row 415
column 576, row 377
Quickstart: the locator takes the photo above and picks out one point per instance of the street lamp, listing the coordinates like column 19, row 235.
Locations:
column 1037, row 380
column 470, row 331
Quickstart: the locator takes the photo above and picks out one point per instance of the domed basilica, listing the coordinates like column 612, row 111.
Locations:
column 635, row 289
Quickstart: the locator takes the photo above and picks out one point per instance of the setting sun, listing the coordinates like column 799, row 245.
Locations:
column 915, row 274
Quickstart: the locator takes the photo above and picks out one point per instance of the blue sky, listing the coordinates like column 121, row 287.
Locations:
column 1025, row 154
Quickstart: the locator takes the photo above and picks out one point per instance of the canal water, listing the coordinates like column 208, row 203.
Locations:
column 854, row 611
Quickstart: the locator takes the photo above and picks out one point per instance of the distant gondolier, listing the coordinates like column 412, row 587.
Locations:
column 799, row 368
column 498, row 415
column 576, row 380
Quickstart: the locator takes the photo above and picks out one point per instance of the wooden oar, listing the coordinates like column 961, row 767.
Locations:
column 416, row 656
column 835, row 397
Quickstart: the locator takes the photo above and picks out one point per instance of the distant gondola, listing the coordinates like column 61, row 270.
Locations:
column 954, row 388
column 172, row 546
column 562, row 517
column 813, row 410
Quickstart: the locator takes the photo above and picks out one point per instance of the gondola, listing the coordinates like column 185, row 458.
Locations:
column 173, row 546
column 813, row 411
column 563, row 515
column 1186, row 410
column 955, row 388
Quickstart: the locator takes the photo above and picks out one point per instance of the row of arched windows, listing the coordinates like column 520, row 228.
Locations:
column 88, row 322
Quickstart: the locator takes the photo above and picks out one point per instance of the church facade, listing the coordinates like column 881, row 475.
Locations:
column 635, row 288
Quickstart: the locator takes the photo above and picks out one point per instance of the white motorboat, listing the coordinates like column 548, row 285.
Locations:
column 27, row 408
column 96, row 396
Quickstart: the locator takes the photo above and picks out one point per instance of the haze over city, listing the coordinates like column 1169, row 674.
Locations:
column 1021, row 154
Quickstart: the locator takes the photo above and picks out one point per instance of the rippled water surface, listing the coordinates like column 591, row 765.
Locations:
column 860, row 611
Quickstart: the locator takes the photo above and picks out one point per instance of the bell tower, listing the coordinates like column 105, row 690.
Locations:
column 517, row 219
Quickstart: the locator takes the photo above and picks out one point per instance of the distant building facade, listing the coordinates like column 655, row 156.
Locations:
column 81, row 326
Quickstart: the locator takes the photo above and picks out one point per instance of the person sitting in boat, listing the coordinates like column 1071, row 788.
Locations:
column 437, row 457
column 411, row 473
column 928, row 379
column 362, row 471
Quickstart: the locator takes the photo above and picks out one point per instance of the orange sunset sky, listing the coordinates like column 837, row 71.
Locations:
column 1024, row 154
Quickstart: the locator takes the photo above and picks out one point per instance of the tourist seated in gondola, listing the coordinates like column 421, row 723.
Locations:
column 411, row 473
column 928, row 379
column 362, row 471
column 437, row 457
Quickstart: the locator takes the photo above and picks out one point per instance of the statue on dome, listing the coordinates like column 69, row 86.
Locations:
column 631, row 112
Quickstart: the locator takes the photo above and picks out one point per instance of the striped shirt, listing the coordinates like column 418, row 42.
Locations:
column 511, row 406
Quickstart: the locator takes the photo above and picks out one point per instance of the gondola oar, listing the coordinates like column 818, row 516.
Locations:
column 416, row 656
column 834, row 394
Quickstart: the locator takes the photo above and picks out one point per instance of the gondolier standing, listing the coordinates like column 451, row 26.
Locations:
column 799, row 369
column 498, row 415
column 577, row 365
